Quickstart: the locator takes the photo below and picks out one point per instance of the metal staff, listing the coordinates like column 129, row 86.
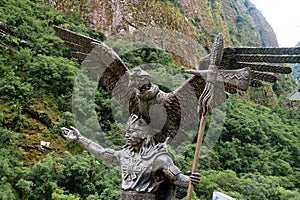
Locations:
column 206, row 100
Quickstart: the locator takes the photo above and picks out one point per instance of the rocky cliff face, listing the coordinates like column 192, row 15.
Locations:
column 266, row 32
column 238, row 20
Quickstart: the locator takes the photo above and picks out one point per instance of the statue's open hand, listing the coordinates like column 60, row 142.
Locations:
column 195, row 178
column 71, row 134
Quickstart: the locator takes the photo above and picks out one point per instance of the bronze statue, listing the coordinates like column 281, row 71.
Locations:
column 147, row 167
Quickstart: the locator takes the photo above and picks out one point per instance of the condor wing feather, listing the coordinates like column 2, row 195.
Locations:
column 99, row 61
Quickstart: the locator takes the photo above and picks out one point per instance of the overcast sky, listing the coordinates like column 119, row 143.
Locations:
column 284, row 17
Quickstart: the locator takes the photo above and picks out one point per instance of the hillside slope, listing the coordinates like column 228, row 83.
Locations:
column 256, row 157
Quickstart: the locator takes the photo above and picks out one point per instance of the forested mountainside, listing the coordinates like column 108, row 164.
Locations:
column 257, row 155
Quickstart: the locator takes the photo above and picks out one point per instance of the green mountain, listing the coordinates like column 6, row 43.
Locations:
column 256, row 157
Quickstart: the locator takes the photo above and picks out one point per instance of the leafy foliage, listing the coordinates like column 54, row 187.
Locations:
column 257, row 156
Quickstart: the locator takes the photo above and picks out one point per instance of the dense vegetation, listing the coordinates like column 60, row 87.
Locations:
column 256, row 157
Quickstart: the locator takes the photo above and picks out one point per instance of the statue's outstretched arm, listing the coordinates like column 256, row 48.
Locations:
column 172, row 172
column 109, row 156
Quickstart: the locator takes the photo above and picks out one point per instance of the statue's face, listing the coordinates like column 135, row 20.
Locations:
column 133, row 138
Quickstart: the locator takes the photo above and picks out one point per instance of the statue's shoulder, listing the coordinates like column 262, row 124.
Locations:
column 163, row 157
column 163, row 160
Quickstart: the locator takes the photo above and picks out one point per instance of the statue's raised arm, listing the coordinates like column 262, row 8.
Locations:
column 108, row 156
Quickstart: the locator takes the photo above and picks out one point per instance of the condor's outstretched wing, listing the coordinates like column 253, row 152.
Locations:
column 99, row 60
column 80, row 44
column 263, row 62
column 239, row 68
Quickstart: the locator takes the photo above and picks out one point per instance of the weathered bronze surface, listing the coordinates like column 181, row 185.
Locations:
column 148, row 169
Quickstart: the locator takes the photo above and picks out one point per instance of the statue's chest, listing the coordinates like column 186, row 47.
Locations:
column 140, row 174
column 134, row 167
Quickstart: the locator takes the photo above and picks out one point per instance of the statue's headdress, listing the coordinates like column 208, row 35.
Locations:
column 138, row 125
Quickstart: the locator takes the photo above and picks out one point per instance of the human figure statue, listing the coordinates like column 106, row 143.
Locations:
column 147, row 168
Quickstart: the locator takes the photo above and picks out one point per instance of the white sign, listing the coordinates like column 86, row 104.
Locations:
column 221, row 196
